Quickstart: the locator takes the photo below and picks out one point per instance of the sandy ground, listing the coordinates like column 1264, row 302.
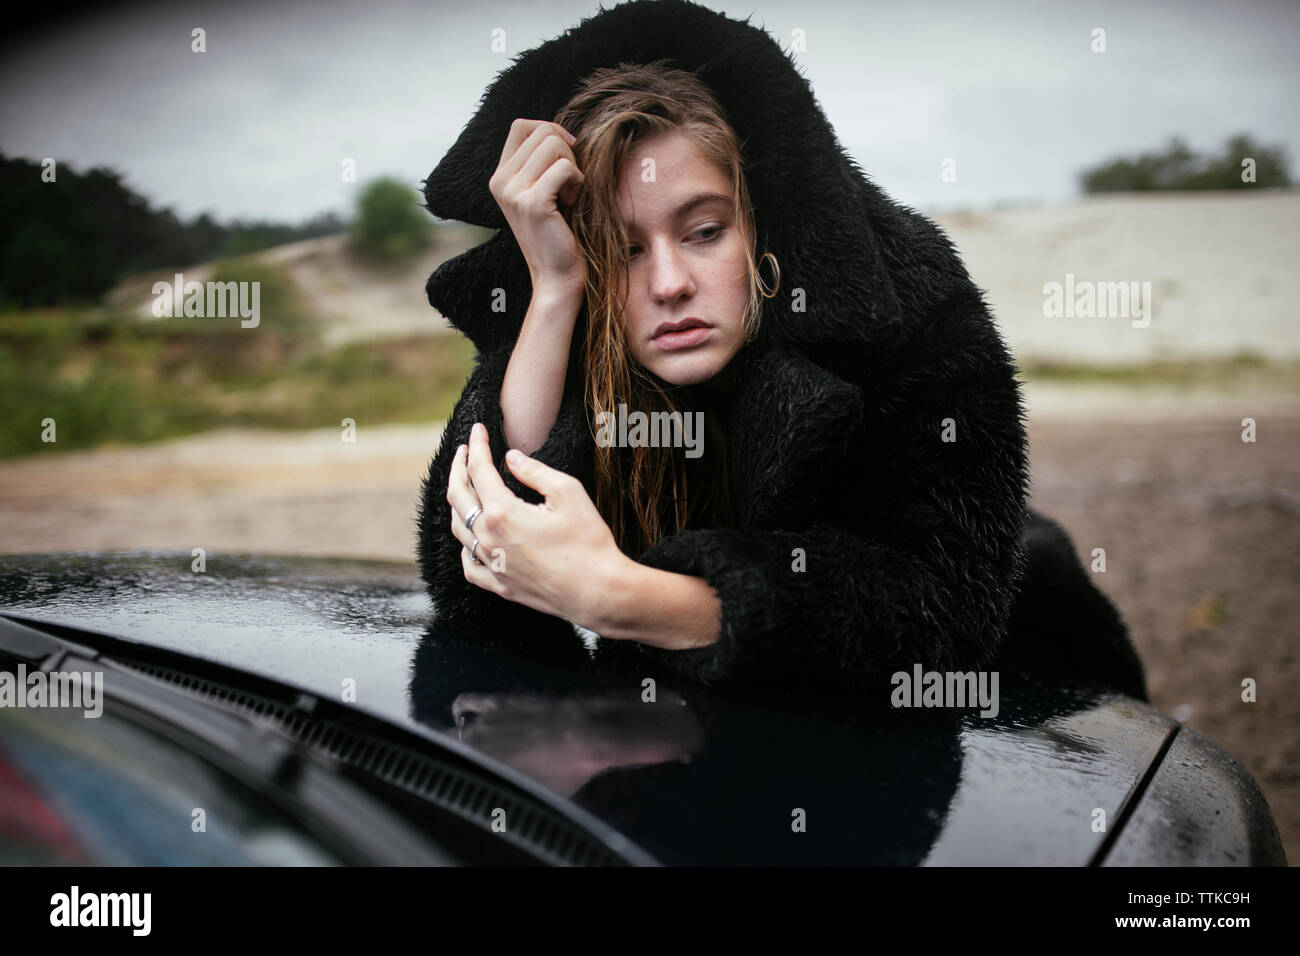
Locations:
column 1201, row 531
column 300, row 492
column 1220, row 267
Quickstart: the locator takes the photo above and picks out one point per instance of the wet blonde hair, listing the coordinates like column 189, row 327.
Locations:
column 643, row 494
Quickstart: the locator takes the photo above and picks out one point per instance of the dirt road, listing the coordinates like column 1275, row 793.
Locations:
column 1202, row 539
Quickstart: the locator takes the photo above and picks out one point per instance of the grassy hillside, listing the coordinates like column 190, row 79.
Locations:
column 108, row 376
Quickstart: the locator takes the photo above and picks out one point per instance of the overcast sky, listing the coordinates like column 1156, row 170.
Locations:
column 257, row 126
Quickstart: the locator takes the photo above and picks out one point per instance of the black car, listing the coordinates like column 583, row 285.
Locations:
column 281, row 710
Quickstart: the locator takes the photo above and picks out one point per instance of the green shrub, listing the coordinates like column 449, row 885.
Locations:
column 391, row 226
column 1176, row 167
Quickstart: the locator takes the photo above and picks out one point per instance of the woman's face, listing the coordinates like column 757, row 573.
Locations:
column 686, row 261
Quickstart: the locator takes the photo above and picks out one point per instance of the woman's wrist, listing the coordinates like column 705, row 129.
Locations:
column 533, row 386
column 632, row 602
column 606, row 596
column 559, row 295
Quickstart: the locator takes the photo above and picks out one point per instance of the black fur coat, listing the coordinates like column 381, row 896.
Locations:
column 878, row 432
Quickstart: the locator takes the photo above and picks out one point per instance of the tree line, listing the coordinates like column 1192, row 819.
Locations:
column 76, row 237
column 1242, row 162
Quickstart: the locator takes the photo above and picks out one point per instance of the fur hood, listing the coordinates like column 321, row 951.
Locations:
column 876, row 427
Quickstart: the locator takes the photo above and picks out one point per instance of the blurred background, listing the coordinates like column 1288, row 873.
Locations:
column 1091, row 145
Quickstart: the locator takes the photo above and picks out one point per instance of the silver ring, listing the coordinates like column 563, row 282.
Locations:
column 472, row 517
column 472, row 556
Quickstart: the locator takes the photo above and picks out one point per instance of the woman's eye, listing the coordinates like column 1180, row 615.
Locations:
column 713, row 233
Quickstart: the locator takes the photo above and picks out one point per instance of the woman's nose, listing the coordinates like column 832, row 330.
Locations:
column 670, row 278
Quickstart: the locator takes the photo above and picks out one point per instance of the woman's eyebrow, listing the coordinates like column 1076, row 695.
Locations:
column 699, row 200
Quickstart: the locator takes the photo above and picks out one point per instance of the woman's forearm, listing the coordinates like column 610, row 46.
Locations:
column 534, row 381
column 661, row 608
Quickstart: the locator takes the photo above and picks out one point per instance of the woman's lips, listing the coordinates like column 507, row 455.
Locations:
column 684, row 339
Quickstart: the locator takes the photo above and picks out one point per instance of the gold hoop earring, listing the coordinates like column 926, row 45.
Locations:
column 762, row 288
column 753, row 319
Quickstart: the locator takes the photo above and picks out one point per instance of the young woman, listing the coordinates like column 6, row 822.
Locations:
column 843, row 492
column 675, row 289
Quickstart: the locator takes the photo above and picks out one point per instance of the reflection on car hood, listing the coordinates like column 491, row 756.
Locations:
column 690, row 773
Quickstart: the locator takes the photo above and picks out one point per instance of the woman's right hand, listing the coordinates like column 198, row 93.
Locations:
column 537, row 173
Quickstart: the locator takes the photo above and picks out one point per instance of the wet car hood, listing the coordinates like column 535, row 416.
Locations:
column 687, row 772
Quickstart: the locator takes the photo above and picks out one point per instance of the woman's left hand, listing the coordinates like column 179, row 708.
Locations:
column 554, row 557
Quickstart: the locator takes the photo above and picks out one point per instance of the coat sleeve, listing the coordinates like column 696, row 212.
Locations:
column 913, row 554
column 566, row 448
column 860, row 608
